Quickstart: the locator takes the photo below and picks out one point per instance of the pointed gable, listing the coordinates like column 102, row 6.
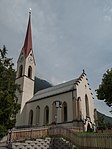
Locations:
column 28, row 39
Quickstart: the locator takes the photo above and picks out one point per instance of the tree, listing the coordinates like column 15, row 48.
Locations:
column 104, row 92
column 101, row 123
column 8, row 100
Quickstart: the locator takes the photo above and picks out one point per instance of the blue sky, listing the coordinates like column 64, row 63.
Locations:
column 68, row 36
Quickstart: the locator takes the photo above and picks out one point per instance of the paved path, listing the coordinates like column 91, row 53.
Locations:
column 3, row 146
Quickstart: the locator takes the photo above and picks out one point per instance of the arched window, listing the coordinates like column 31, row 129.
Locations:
column 79, row 108
column 30, row 72
column 30, row 122
column 87, row 106
column 64, row 112
column 20, row 71
column 46, row 115
column 37, row 115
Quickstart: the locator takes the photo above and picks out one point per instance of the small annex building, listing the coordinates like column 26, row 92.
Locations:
column 69, row 104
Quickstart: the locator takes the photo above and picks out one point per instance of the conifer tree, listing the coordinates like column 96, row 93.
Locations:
column 8, row 100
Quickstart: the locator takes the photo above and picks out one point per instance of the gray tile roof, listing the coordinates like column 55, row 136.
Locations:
column 64, row 87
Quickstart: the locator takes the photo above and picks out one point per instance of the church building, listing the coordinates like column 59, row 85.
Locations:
column 69, row 104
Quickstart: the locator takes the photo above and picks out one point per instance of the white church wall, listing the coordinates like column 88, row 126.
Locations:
column 27, row 91
column 27, row 86
column 82, row 90
column 20, row 117
column 65, row 97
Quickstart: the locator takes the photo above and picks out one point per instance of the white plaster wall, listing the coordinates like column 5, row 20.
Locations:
column 20, row 117
column 27, row 87
column 67, row 97
column 28, row 91
column 82, row 89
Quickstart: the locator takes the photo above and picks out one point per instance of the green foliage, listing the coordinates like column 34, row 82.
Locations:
column 104, row 92
column 8, row 100
column 101, row 122
column 105, row 120
column 3, row 131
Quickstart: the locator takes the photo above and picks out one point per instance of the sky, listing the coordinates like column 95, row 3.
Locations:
column 68, row 36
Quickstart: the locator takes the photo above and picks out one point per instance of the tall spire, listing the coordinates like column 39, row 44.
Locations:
column 28, row 39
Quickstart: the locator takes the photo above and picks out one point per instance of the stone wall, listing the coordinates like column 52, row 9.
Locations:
column 81, row 140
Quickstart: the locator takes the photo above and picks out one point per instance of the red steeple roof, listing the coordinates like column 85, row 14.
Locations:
column 28, row 39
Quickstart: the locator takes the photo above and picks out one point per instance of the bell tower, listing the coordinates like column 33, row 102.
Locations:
column 25, row 72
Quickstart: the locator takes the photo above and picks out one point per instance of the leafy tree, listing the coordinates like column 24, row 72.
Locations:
column 104, row 92
column 101, row 123
column 8, row 100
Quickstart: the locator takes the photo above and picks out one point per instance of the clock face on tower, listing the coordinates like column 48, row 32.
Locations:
column 30, row 59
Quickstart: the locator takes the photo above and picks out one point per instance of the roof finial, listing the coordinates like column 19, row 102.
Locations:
column 30, row 11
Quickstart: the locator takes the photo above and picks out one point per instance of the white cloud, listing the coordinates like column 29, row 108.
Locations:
column 56, row 81
column 107, row 18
